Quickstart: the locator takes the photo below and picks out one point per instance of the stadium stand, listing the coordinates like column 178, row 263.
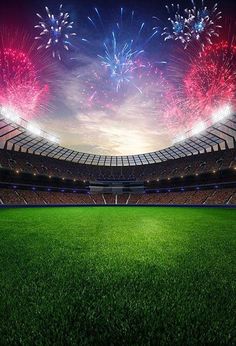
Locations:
column 182, row 167
column 134, row 198
column 199, row 197
column 98, row 198
column 31, row 197
column 123, row 198
column 232, row 199
column 8, row 196
column 200, row 170
column 110, row 198
column 222, row 196
column 206, row 197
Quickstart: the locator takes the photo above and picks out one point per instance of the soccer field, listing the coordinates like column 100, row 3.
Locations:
column 117, row 276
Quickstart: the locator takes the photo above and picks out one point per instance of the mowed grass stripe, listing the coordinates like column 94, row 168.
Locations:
column 117, row 276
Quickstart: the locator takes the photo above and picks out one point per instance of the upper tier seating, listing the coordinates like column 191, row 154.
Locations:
column 191, row 165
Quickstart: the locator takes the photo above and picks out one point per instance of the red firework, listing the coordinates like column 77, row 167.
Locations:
column 211, row 80
column 21, row 84
column 208, row 84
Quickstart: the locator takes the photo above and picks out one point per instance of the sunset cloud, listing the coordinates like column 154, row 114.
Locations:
column 130, row 124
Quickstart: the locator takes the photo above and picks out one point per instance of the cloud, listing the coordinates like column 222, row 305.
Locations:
column 99, row 120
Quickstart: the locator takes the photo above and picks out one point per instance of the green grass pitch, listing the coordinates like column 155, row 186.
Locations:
column 118, row 276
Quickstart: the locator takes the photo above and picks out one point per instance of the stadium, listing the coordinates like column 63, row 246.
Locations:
column 100, row 246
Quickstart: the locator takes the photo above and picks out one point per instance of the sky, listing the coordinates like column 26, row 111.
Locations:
column 86, row 108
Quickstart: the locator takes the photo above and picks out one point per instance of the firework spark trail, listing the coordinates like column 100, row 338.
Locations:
column 119, row 51
column 120, row 61
column 55, row 32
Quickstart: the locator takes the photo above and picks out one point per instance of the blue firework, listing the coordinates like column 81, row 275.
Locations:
column 120, row 61
column 177, row 30
column 203, row 23
column 122, row 48
column 56, row 31
column 196, row 23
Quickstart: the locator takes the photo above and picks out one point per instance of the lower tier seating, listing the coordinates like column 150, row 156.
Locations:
column 221, row 196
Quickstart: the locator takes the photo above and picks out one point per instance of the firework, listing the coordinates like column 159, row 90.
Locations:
column 122, row 49
column 120, row 61
column 194, row 24
column 22, row 87
column 178, row 25
column 211, row 80
column 55, row 32
column 204, row 88
column 203, row 23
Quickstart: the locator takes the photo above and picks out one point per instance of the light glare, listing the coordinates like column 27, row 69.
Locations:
column 222, row 113
column 34, row 129
column 10, row 114
column 198, row 128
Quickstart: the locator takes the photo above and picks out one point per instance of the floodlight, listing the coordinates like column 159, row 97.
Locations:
column 180, row 138
column 222, row 113
column 34, row 129
column 52, row 138
column 198, row 128
column 10, row 114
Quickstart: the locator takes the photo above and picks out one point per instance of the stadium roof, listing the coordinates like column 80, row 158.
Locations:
column 22, row 136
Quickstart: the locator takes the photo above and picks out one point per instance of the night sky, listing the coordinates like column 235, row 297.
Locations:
column 84, row 108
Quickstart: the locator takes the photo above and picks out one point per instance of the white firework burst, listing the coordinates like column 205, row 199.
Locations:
column 177, row 30
column 56, row 30
column 193, row 24
column 203, row 23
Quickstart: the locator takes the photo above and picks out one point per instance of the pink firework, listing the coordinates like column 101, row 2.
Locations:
column 211, row 80
column 22, row 88
column 207, row 84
